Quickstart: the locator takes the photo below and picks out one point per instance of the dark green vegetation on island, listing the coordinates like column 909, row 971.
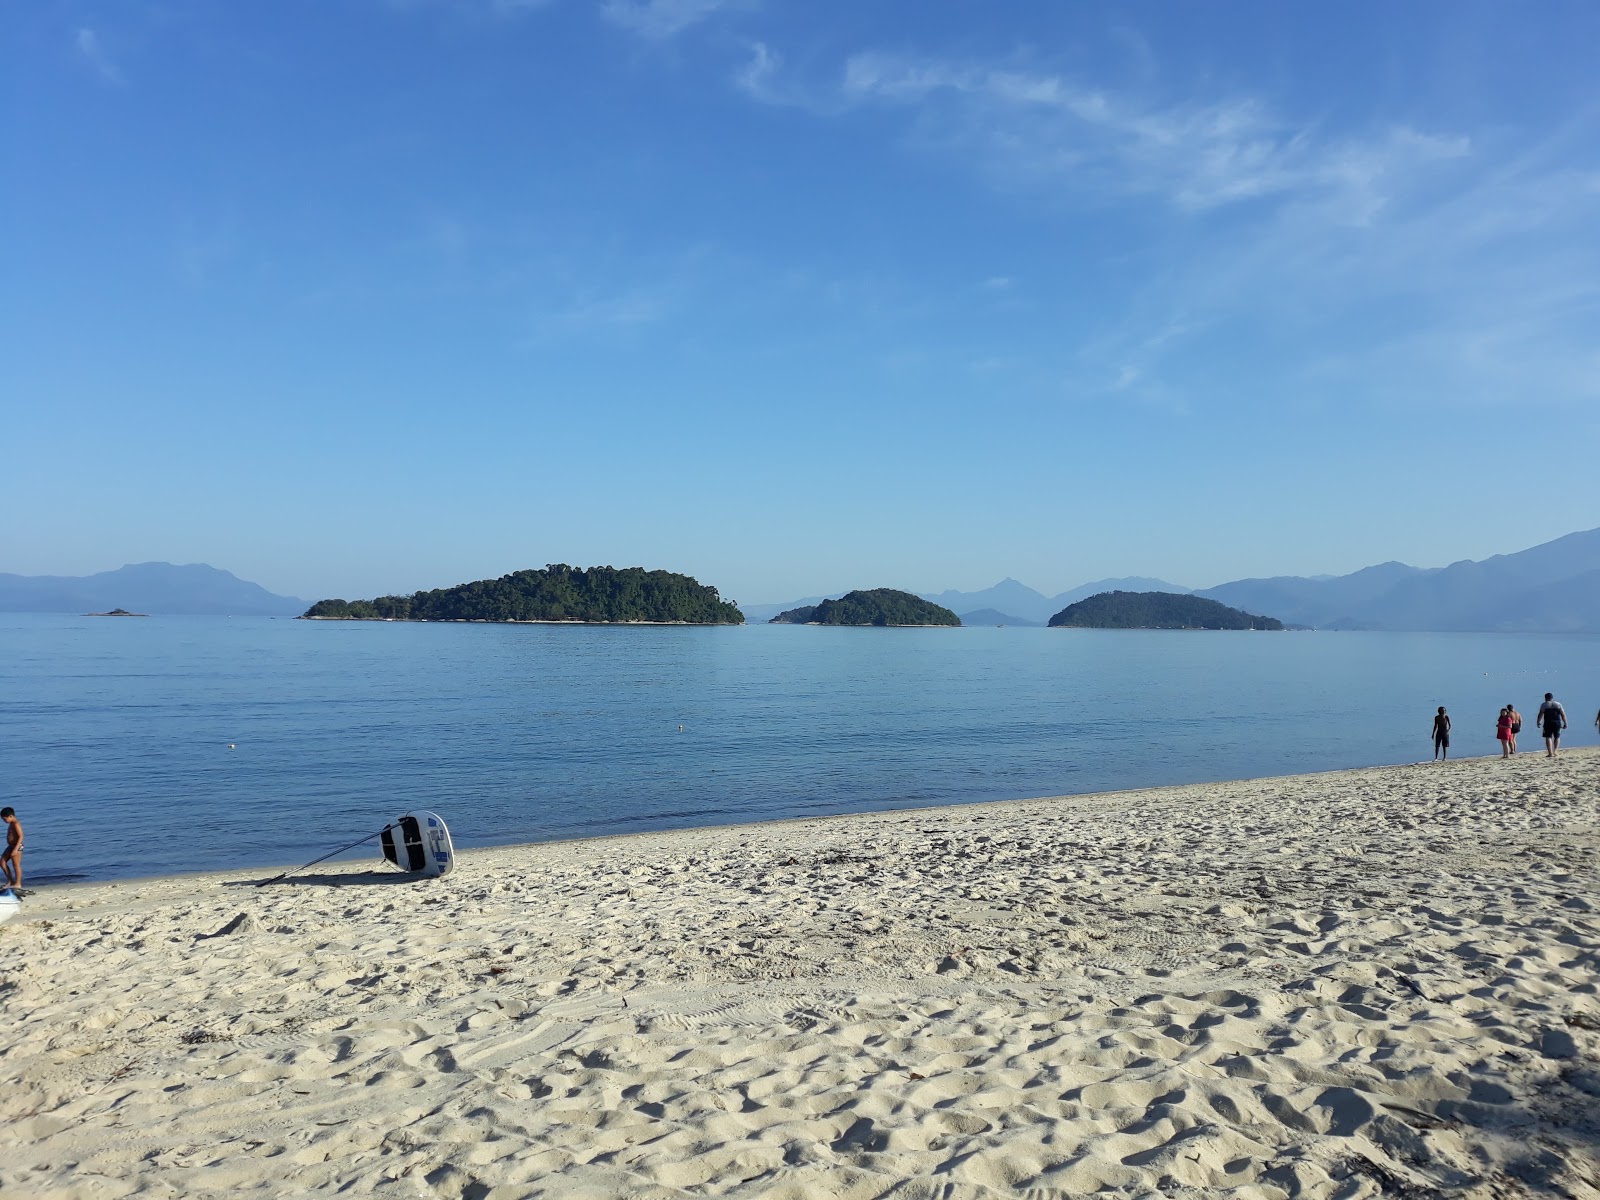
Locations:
column 876, row 606
column 557, row 593
column 794, row 616
column 117, row 612
column 1155, row 610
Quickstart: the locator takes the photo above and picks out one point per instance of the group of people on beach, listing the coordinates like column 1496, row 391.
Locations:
column 1552, row 720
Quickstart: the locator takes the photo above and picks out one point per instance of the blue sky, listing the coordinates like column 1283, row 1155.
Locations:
column 355, row 296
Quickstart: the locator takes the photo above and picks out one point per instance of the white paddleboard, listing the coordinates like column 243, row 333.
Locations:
column 10, row 906
column 420, row 843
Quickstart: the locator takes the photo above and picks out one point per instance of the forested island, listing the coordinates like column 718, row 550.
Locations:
column 875, row 606
column 1155, row 610
column 602, row 595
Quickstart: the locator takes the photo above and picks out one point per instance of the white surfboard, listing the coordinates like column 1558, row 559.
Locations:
column 420, row 843
column 10, row 905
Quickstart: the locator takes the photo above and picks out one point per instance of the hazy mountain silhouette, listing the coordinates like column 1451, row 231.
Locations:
column 1006, row 596
column 1129, row 583
column 760, row 614
column 1552, row 587
column 1009, row 596
column 993, row 616
column 156, row 588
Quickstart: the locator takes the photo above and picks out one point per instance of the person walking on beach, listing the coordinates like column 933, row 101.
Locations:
column 1441, row 734
column 1552, row 719
column 1516, row 725
column 11, row 860
column 1502, row 732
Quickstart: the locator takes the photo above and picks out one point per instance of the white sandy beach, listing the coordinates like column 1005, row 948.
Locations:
column 1375, row 982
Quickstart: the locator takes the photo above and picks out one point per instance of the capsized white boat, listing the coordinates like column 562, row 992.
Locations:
column 420, row 843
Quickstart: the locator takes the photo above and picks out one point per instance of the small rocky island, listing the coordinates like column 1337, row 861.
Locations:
column 559, row 593
column 117, row 612
column 876, row 606
column 1156, row 610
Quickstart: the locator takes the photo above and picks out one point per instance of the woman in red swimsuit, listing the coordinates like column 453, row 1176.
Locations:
column 1502, row 731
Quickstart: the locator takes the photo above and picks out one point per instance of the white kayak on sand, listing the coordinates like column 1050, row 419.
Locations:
column 419, row 843
column 10, row 905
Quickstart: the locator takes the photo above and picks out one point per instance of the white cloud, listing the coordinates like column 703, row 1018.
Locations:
column 90, row 47
column 659, row 19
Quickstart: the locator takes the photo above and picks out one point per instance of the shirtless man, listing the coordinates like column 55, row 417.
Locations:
column 1552, row 719
column 1441, row 733
column 11, row 860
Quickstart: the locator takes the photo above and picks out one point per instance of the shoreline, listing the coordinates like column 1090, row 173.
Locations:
column 1343, row 984
column 463, row 853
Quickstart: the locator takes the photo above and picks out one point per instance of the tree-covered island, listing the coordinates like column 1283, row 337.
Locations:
column 1155, row 610
column 875, row 606
column 601, row 595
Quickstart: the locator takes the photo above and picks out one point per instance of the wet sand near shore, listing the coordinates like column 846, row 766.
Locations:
column 1361, row 983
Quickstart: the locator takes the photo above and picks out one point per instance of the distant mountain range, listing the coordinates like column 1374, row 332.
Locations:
column 993, row 616
column 1006, row 603
column 157, row 588
column 1020, row 600
column 1550, row 588
column 760, row 614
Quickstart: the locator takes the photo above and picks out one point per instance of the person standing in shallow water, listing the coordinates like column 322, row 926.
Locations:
column 11, row 860
column 1441, row 734
column 1552, row 720
column 1502, row 732
column 1516, row 725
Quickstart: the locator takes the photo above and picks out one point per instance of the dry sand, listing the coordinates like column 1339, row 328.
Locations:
column 1376, row 982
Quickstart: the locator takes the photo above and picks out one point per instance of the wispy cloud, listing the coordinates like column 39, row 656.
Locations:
column 498, row 8
column 94, row 53
column 758, row 77
column 202, row 251
column 590, row 314
column 659, row 19
column 1044, row 129
column 1424, row 265
column 1476, row 294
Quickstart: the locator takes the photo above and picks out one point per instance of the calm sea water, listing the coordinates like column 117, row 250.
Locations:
column 117, row 732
